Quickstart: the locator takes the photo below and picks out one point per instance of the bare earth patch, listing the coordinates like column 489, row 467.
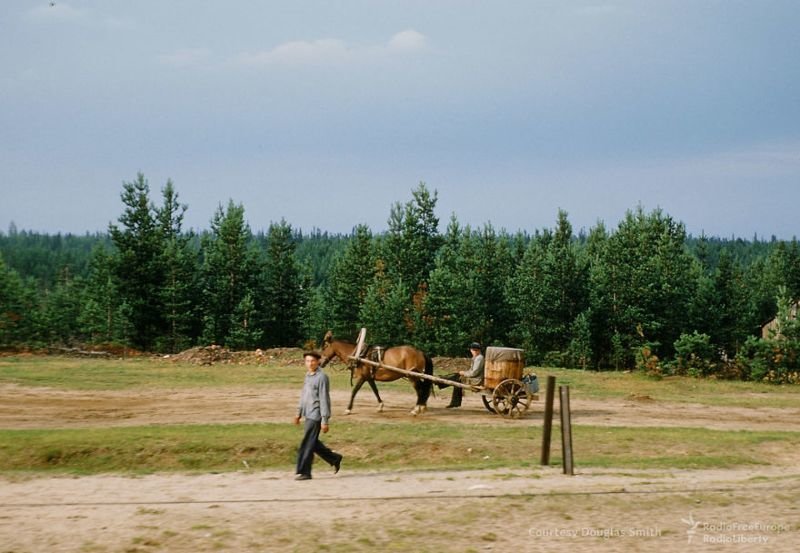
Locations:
column 754, row 508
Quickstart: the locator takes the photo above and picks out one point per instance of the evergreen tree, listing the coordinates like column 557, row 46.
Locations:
column 243, row 334
column 643, row 282
column 12, row 307
column 413, row 239
column 285, row 290
column 492, row 266
column 580, row 345
column 229, row 271
column 352, row 272
column 731, row 321
column 386, row 310
column 62, row 310
column 138, row 263
column 549, row 291
column 180, row 288
column 449, row 311
column 99, row 317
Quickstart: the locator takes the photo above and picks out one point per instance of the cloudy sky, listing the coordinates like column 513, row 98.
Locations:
column 325, row 113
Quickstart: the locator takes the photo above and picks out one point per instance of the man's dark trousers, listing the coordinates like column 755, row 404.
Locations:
column 311, row 445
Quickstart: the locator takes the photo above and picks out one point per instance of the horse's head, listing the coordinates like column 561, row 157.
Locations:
column 332, row 347
column 328, row 349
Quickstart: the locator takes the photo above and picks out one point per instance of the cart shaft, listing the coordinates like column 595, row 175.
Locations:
column 423, row 376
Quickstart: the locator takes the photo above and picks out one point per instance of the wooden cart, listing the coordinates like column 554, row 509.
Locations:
column 504, row 390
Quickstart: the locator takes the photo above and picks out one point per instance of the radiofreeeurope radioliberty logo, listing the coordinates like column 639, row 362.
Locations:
column 692, row 530
column 735, row 532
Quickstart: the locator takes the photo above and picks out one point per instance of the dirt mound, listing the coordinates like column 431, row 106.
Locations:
column 209, row 355
column 443, row 365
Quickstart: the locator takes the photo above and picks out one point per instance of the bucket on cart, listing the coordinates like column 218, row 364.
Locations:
column 502, row 364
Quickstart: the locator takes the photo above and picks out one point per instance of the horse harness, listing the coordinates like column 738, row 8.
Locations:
column 375, row 354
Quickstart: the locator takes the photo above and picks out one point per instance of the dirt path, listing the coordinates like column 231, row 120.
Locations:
column 751, row 509
column 32, row 407
column 498, row 510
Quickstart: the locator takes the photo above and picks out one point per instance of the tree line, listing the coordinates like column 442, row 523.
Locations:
column 643, row 294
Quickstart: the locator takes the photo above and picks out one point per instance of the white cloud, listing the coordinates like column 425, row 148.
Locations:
column 408, row 41
column 332, row 51
column 299, row 52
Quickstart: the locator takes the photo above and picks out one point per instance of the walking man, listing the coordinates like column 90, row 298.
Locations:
column 315, row 407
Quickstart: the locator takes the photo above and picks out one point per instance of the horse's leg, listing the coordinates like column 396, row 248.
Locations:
column 420, row 407
column 423, row 389
column 356, row 388
column 374, row 387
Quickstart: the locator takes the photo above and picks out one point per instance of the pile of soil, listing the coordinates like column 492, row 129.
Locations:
column 213, row 354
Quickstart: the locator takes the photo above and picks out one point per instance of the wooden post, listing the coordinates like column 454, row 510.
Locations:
column 547, row 431
column 566, row 431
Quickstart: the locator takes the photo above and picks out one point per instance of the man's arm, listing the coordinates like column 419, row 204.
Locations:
column 324, row 399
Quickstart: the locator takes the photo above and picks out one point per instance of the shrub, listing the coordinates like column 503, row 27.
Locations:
column 694, row 355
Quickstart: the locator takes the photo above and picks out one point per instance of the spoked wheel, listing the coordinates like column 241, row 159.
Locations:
column 487, row 404
column 511, row 398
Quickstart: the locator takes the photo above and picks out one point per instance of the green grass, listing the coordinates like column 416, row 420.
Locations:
column 403, row 446
column 102, row 374
column 413, row 444
column 139, row 373
column 678, row 389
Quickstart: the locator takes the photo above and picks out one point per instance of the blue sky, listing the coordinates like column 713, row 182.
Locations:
column 325, row 113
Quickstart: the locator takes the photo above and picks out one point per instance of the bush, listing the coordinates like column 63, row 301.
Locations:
column 648, row 362
column 694, row 355
column 776, row 360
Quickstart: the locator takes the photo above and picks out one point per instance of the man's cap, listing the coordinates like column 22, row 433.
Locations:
column 312, row 353
column 474, row 345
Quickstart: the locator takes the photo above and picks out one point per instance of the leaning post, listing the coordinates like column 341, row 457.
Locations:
column 547, row 431
column 566, row 431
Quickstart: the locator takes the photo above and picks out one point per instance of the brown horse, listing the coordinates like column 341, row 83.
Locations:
column 402, row 357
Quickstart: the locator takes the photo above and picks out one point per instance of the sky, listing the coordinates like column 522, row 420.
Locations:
column 324, row 114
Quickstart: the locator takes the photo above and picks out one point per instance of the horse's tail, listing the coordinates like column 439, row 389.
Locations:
column 426, row 385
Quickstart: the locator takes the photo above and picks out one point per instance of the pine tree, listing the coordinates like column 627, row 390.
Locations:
column 352, row 272
column 285, row 291
column 229, row 271
column 643, row 283
column 492, row 266
column 243, row 334
column 180, row 288
column 549, row 291
column 386, row 310
column 413, row 239
column 138, row 263
column 12, row 308
column 448, row 311
column 62, row 310
column 99, row 316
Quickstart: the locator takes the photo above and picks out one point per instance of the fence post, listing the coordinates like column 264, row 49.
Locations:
column 548, row 419
column 566, row 431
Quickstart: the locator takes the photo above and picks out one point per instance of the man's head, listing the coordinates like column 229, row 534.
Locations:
column 312, row 360
column 475, row 348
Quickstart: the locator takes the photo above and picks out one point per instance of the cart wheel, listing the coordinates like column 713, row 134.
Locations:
column 511, row 398
column 487, row 404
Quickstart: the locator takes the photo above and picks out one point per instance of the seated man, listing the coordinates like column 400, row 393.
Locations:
column 473, row 376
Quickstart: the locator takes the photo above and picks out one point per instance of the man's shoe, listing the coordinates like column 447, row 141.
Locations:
column 452, row 406
column 303, row 477
column 338, row 464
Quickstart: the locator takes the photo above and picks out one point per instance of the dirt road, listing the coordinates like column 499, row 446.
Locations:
column 751, row 509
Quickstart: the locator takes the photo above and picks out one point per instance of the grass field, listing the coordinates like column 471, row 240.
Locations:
column 455, row 445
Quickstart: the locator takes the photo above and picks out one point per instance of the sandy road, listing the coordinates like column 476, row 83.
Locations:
column 748, row 509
